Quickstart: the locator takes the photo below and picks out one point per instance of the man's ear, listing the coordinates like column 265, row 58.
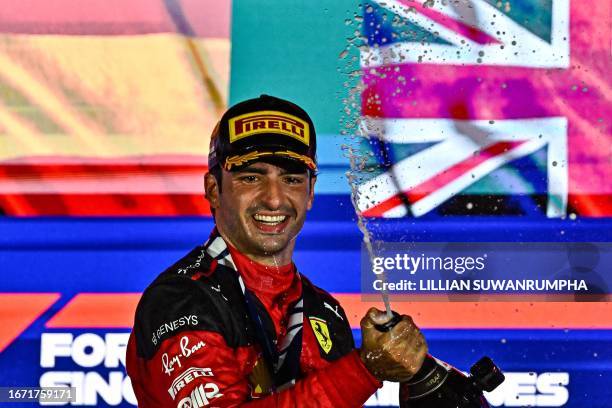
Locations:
column 313, row 180
column 211, row 190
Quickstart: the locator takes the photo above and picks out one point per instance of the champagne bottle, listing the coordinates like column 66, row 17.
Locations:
column 439, row 385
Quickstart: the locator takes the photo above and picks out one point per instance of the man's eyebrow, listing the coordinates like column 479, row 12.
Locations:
column 294, row 172
column 250, row 169
column 285, row 172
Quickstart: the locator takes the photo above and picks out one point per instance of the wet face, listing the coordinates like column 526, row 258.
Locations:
column 261, row 208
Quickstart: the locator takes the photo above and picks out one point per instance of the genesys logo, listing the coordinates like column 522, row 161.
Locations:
column 170, row 327
column 521, row 389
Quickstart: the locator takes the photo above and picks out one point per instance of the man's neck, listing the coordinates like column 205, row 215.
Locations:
column 280, row 258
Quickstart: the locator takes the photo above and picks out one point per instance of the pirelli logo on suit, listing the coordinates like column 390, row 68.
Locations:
column 254, row 123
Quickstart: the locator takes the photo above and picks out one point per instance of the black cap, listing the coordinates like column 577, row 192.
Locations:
column 263, row 128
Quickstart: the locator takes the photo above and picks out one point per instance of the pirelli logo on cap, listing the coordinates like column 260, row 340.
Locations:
column 253, row 123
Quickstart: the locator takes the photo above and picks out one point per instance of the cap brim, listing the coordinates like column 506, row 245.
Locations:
column 272, row 155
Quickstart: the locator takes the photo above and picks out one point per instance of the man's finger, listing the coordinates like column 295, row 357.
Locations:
column 378, row 316
column 371, row 318
column 404, row 329
column 366, row 322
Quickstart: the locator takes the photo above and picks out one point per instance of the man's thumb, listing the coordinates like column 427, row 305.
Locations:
column 377, row 316
column 367, row 322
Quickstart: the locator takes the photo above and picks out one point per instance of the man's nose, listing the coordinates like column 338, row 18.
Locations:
column 273, row 195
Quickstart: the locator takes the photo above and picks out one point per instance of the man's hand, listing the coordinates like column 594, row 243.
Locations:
column 395, row 355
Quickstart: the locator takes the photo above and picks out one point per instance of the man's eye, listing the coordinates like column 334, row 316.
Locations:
column 294, row 180
column 248, row 179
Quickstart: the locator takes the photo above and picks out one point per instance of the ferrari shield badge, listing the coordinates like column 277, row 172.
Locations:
column 319, row 327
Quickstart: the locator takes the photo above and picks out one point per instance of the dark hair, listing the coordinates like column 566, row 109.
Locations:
column 289, row 165
column 217, row 173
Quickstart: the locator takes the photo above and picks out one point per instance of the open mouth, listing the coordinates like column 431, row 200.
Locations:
column 270, row 223
column 270, row 219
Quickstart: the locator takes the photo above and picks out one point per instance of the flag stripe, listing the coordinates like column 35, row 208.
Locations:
column 483, row 92
column 120, row 205
column 491, row 315
column 99, row 179
column 418, row 192
column 466, row 30
column 112, row 17
column 116, row 310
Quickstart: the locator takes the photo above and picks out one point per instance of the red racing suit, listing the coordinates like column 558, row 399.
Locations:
column 194, row 344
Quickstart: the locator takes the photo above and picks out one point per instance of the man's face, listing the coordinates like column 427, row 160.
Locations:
column 261, row 208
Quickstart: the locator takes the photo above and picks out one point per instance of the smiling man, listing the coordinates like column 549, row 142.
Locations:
column 233, row 323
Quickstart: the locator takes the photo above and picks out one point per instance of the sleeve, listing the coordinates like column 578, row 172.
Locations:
column 196, row 369
column 177, row 355
column 345, row 383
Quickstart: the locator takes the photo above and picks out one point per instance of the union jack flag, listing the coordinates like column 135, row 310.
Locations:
column 486, row 107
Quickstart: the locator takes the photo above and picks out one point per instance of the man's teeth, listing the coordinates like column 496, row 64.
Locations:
column 270, row 219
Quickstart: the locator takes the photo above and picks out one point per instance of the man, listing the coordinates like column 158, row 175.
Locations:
column 233, row 323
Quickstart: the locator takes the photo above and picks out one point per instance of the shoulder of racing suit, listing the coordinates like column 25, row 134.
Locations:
column 193, row 294
column 197, row 293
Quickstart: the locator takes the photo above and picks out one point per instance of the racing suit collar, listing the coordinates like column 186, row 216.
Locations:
column 264, row 279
